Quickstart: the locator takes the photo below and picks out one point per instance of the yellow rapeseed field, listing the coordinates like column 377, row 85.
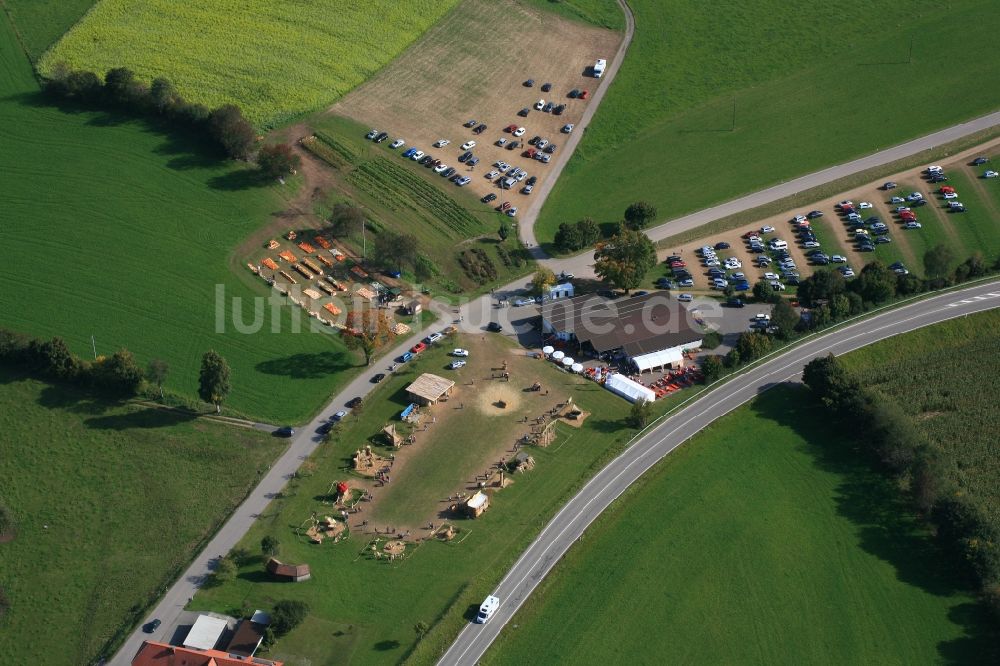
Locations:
column 275, row 59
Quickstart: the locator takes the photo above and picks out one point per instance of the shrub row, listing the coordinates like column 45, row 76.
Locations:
column 510, row 259
column 120, row 89
column 903, row 451
column 477, row 265
column 117, row 375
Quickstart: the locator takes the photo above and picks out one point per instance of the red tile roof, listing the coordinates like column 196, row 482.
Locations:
column 160, row 654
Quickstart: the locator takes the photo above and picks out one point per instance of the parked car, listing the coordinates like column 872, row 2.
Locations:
column 449, row 172
column 524, row 112
column 441, row 143
column 512, row 212
column 889, row 185
column 417, row 155
column 584, row 94
column 722, row 245
column 990, row 174
column 397, row 143
column 479, row 130
column 463, row 181
column 530, row 83
column 551, row 148
column 152, row 626
column 521, row 302
column 378, row 377
column 470, row 123
column 409, row 152
column 285, row 431
column 558, row 110
column 685, row 298
column 371, row 134
column 813, row 214
column 567, row 128
column 494, row 327
column 573, row 94
column 911, row 224
column 979, row 161
column 464, row 156
column 489, row 197
column 539, row 104
column 455, row 365
column 419, row 347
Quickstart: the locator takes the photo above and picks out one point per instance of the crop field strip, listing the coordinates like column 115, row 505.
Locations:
column 797, row 109
column 276, row 60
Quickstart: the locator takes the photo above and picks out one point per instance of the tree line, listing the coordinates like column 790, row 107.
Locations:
column 575, row 236
column 117, row 376
column 225, row 126
column 901, row 450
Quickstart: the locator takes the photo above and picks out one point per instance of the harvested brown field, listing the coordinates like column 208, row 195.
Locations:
column 472, row 65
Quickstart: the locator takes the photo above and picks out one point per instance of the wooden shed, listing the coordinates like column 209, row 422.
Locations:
column 293, row 572
column 414, row 307
column 428, row 389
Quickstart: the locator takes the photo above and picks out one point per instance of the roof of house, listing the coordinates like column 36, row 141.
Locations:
column 205, row 632
column 282, row 569
column 430, row 387
column 247, row 638
column 161, row 654
column 640, row 324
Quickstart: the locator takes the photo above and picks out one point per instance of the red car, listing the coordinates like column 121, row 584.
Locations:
column 510, row 128
column 677, row 264
column 417, row 348
column 583, row 95
column 946, row 189
column 504, row 206
column 907, row 215
column 530, row 152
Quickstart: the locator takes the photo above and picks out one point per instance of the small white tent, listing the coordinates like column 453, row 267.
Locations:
column 658, row 359
column 628, row 389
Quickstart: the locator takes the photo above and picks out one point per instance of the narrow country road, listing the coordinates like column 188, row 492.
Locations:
column 606, row 486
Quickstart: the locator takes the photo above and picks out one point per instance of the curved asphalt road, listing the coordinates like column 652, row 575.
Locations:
column 573, row 519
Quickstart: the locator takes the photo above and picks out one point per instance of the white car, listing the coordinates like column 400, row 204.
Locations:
column 777, row 286
column 933, row 169
column 838, row 259
column 502, row 141
column 460, row 352
column 397, row 143
column 512, row 212
column 434, row 337
column 914, row 196
column 541, row 143
column 455, row 365
column 441, row 143
column 860, row 232
column 417, row 155
column 491, row 175
column 767, row 229
column 865, row 205
column 847, row 272
column 503, row 166
column 685, row 298
column 912, row 224
column 469, row 144
column 770, row 276
column 712, row 263
column 519, row 131
column 567, row 128
column 440, row 167
column 810, row 244
column 991, row 174
column 799, row 219
column 950, row 195
column 539, row 104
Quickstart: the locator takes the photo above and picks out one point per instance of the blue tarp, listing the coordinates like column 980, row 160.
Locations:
column 409, row 410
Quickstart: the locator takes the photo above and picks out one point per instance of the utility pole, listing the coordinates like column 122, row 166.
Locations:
column 93, row 343
column 733, row 128
column 364, row 240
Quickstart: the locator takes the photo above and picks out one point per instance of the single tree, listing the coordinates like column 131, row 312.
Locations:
column 345, row 218
column 240, row 556
column 225, row 570
column 162, row 95
column 84, row 86
column 157, row 371
column 937, row 261
column 624, row 260
column 712, row 367
column 367, row 331
column 588, row 231
column 53, row 358
column 233, row 132
column 876, row 283
column 119, row 374
column 287, row 615
column 504, row 230
column 396, row 250
column 542, row 280
column 213, row 380
column 118, row 85
column 750, row 346
column 277, row 160
column 785, row 318
column 421, row 629
column 270, row 546
column 567, row 238
column 639, row 215
column 639, row 414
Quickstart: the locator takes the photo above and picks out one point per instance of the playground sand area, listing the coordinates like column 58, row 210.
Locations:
column 498, row 398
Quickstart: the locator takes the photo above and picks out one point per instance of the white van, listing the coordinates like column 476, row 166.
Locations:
column 487, row 609
column 778, row 244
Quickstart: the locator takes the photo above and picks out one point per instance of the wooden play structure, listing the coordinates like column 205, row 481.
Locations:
column 392, row 437
column 368, row 463
column 476, row 505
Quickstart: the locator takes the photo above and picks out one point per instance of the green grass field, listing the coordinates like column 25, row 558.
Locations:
column 117, row 230
column 947, row 378
column 763, row 541
column 374, row 605
column 40, row 23
column 127, row 497
column 804, row 77
column 603, row 13
column 276, row 61
column 402, row 197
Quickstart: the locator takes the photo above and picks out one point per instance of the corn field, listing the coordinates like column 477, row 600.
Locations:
column 277, row 60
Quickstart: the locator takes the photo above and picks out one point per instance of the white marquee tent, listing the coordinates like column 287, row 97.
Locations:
column 658, row 359
column 628, row 389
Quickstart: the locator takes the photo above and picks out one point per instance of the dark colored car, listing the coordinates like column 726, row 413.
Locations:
column 889, row 185
column 574, row 93
column 735, row 302
column 425, row 159
column 559, row 109
column 524, row 112
column 813, row 214
column 494, row 327
column 324, row 428
column 464, row 156
column 489, row 197
column 546, row 87
column 918, row 202
column 284, row 431
column 353, row 402
column 548, row 107
column 551, row 148
column 449, row 172
column 980, row 161
column 530, row 83
column 470, row 123
column 377, row 378
column 533, row 140
column 513, row 145
column 479, row 130
column 722, row 246
column 532, row 180
column 381, row 136
column 150, row 627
